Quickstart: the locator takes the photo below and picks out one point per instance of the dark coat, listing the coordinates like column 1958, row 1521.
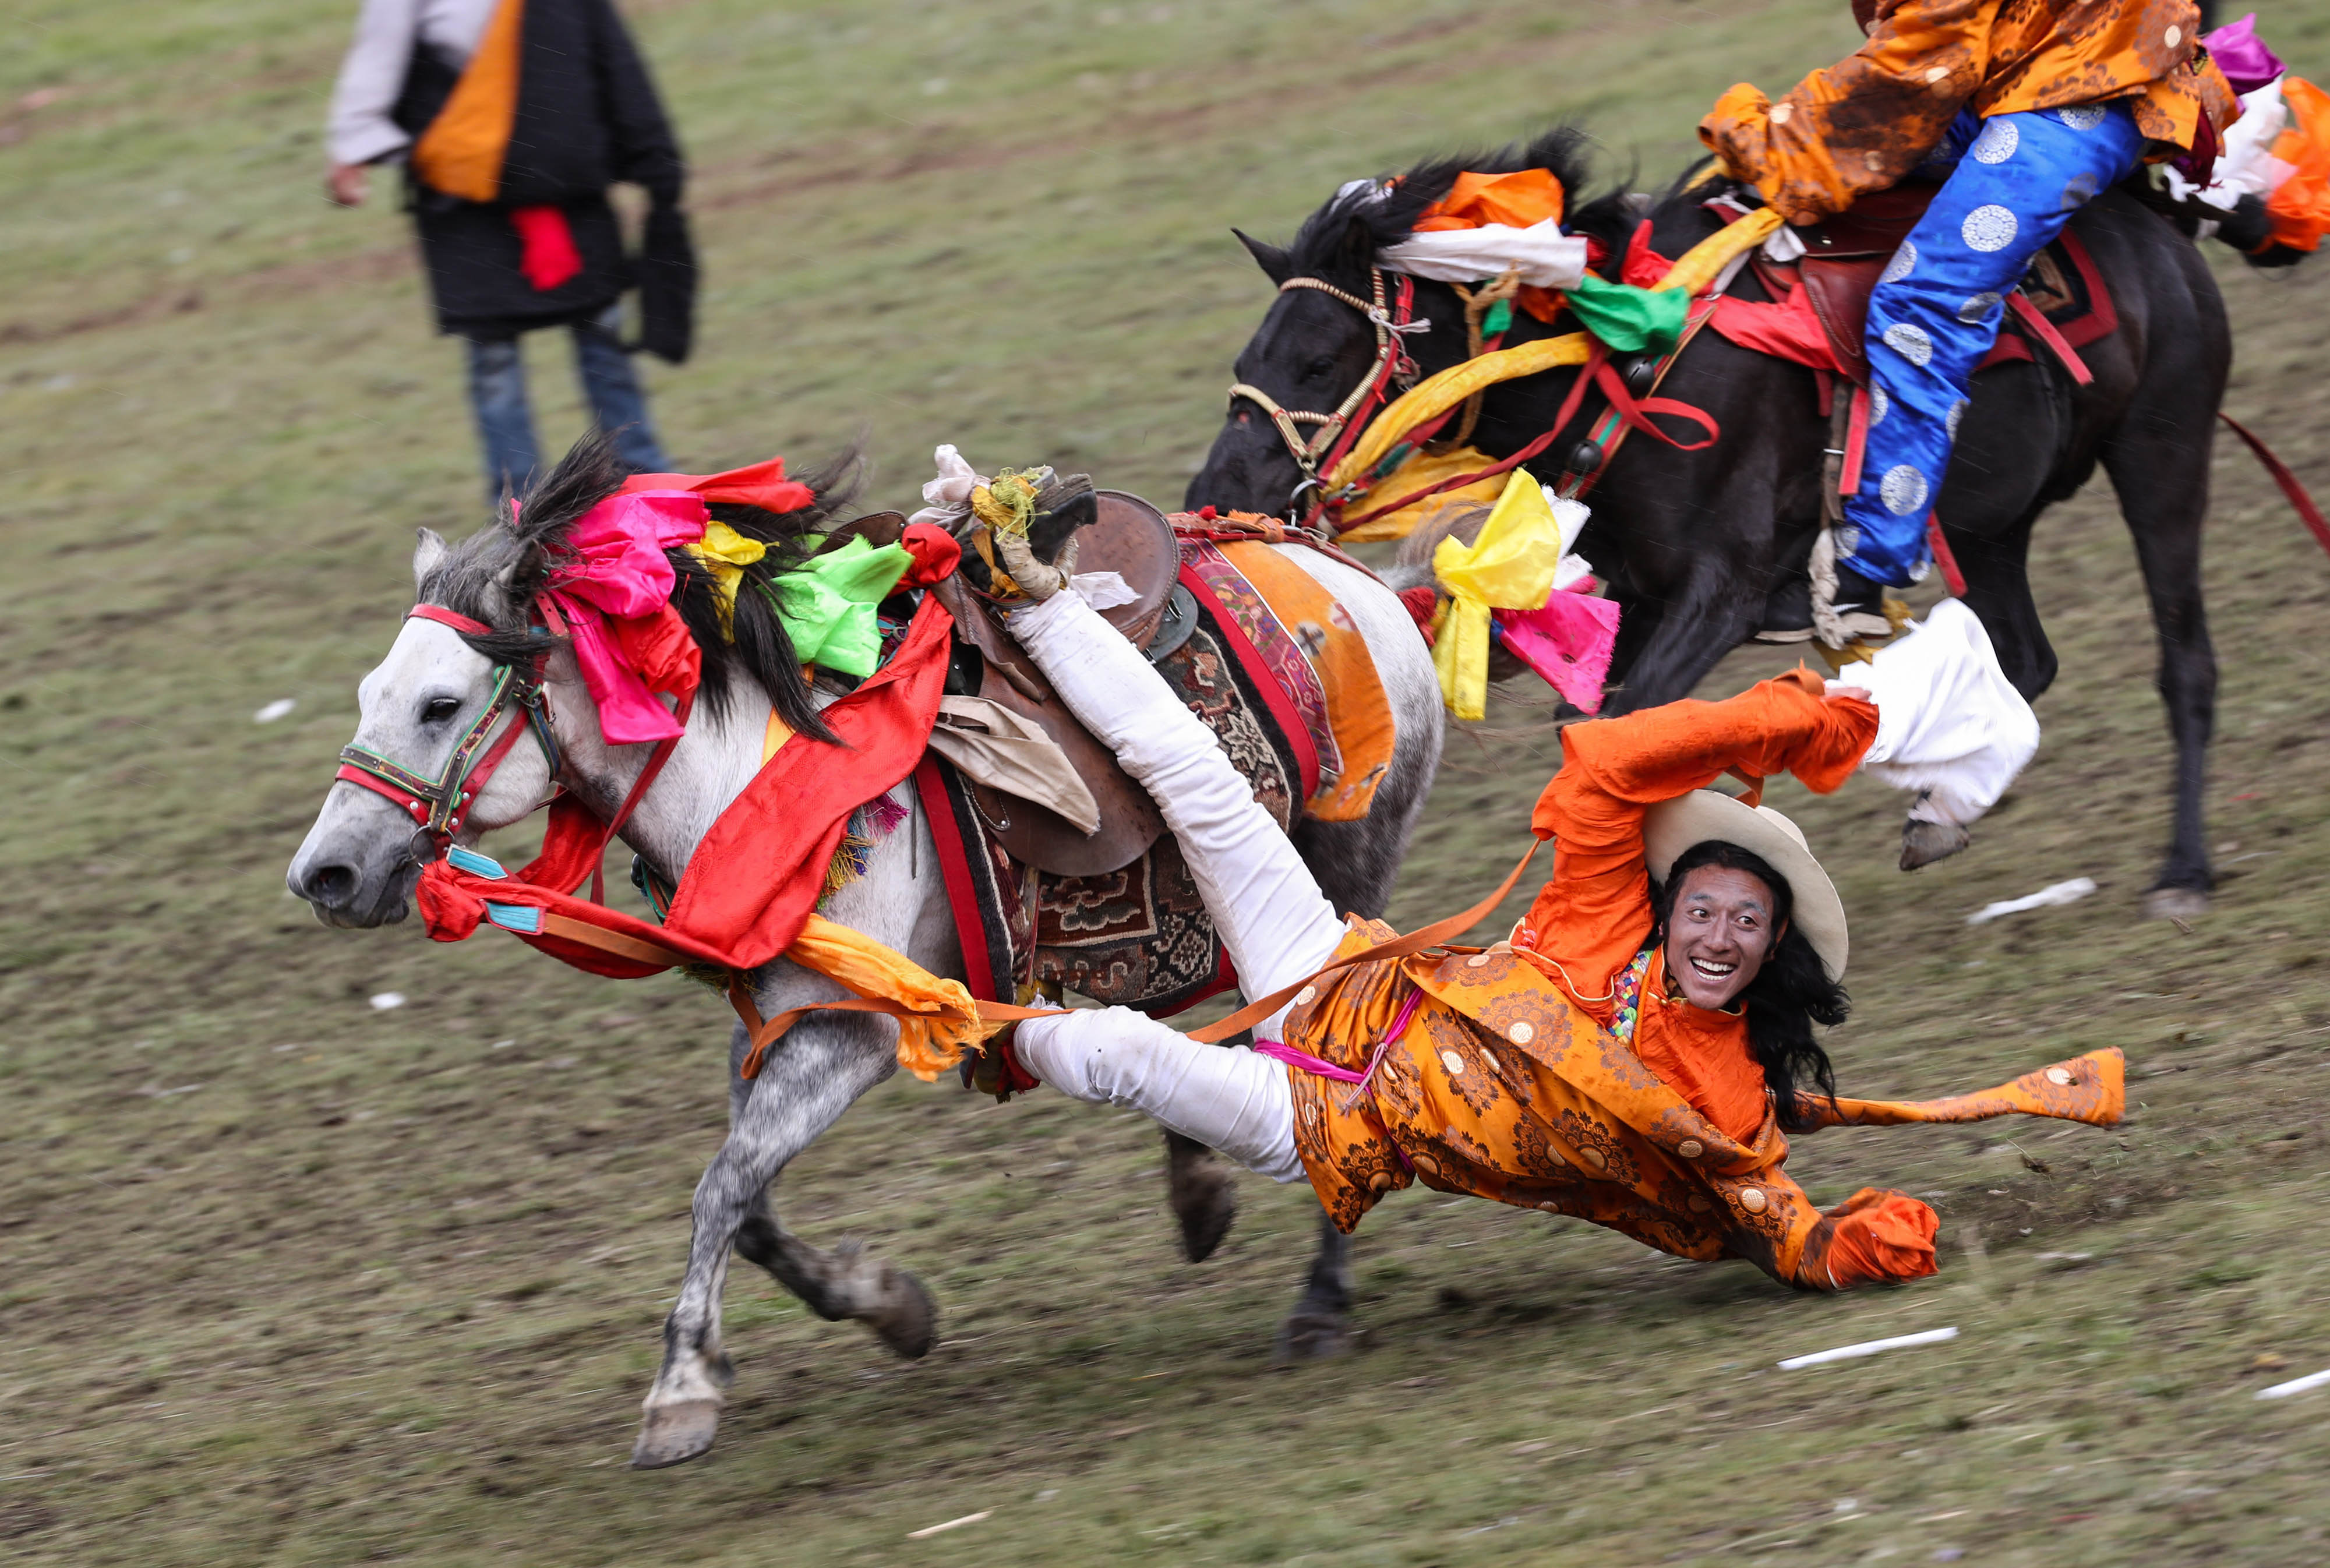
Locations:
column 587, row 117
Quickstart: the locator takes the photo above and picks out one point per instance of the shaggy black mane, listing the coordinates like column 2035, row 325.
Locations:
column 1343, row 236
column 494, row 574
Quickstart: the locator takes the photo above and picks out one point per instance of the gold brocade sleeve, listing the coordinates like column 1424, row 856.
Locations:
column 1862, row 124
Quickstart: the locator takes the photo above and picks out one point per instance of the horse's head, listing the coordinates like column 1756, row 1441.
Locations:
column 1315, row 350
column 477, row 703
column 437, row 692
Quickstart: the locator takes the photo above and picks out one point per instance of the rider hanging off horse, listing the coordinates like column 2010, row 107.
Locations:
column 1633, row 1052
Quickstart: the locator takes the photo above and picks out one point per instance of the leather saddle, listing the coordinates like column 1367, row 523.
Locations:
column 1131, row 538
column 1843, row 258
column 1845, row 255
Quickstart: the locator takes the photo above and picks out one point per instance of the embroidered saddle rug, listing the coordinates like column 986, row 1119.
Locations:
column 1274, row 665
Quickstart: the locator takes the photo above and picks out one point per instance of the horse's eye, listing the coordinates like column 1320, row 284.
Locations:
column 1317, row 368
column 441, row 709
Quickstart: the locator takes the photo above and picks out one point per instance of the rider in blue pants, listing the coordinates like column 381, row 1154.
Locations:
column 2014, row 181
column 2026, row 111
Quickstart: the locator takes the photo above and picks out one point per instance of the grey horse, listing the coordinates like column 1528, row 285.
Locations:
column 362, row 858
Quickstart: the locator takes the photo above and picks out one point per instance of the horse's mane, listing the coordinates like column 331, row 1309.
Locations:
column 1342, row 237
column 494, row 574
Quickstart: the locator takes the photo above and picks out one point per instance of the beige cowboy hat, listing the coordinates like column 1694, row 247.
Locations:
column 1674, row 825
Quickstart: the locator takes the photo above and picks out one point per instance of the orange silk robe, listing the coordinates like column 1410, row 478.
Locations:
column 1506, row 1083
column 1863, row 124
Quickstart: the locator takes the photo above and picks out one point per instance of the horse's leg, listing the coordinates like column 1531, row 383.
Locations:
column 2158, row 459
column 1996, row 564
column 1357, row 863
column 825, row 1064
column 1717, row 608
column 1320, row 1324
column 845, row 1283
column 1203, row 1193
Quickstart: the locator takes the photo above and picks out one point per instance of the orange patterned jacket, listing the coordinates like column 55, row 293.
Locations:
column 1508, row 1084
column 1863, row 124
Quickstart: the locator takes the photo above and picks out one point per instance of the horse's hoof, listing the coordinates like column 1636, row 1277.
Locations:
column 1924, row 843
column 907, row 1321
column 2181, row 905
column 1312, row 1337
column 673, row 1434
column 1205, row 1200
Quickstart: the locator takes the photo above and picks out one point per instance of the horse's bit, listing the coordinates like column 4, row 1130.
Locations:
column 1392, row 363
column 439, row 804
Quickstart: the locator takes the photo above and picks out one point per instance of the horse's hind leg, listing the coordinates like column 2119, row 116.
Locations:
column 1320, row 1324
column 1203, row 1193
column 827, row 1061
column 2158, row 459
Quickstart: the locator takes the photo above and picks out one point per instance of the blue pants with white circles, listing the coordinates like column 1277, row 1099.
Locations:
column 2013, row 182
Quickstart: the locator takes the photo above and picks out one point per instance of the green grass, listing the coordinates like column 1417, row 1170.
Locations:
column 284, row 1280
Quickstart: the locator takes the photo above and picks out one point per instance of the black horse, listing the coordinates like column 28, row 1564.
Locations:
column 1696, row 544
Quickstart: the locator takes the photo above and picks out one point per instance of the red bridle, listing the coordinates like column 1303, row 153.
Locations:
column 439, row 804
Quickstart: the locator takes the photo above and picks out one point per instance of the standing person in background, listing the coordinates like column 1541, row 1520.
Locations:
column 512, row 119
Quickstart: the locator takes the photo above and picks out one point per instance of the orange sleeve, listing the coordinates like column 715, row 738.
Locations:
column 1881, row 1237
column 1595, row 909
column 1862, row 124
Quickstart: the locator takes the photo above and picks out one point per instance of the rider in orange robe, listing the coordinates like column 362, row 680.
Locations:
column 1567, row 1069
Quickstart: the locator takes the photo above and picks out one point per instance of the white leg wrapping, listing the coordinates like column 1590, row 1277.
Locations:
column 1949, row 724
column 1276, row 922
column 1228, row 1099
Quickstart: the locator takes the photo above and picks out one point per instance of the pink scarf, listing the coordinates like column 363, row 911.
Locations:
column 616, row 597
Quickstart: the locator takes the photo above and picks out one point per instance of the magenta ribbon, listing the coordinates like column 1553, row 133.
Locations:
column 2244, row 58
column 1280, row 1050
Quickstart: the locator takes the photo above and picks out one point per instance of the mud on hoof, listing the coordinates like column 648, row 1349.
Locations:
column 1204, row 1196
column 674, row 1433
column 2181, row 905
column 1924, row 843
column 1312, row 1337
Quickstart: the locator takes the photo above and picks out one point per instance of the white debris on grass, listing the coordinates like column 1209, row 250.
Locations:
column 275, row 710
column 949, row 1525
column 1868, row 1347
column 382, row 1001
column 2070, row 892
column 2295, row 1385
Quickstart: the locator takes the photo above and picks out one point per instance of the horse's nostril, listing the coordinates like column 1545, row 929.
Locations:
column 330, row 885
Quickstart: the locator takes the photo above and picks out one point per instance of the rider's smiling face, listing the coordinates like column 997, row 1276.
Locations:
column 1719, row 933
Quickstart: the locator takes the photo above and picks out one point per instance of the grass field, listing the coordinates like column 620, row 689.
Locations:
column 287, row 1280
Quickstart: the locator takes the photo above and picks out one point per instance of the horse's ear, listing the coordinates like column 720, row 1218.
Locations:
column 1273, row 261
column 426, row 555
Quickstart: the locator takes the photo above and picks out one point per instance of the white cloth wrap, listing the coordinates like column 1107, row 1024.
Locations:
column 2247, row 164
column 949, row 494
column 1277, row 923
column 1548, row 257
column 1949, row 724
column 1227, row 1098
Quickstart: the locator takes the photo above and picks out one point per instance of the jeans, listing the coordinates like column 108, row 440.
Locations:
column 610, row 386
column 2014, row 181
